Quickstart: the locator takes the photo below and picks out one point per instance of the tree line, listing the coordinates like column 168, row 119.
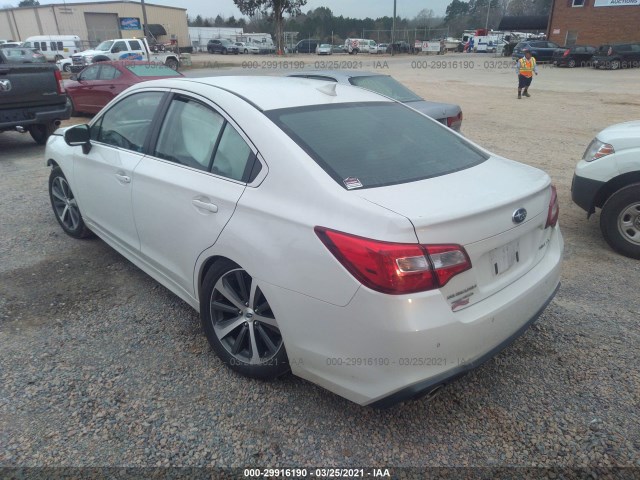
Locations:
column 278, row 16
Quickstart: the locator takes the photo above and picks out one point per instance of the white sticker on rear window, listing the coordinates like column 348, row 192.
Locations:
column 352, row 183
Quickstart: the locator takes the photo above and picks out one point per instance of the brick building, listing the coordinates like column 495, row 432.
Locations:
column 594, row 22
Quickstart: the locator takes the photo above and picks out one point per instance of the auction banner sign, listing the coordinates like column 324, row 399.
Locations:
column 130, row 23
column 615, row 3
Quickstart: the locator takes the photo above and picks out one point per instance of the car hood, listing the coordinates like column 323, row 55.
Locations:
column 622, row 135
column 89, row 52
column 435, row 110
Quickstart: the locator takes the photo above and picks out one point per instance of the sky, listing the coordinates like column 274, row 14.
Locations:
column 347, row 8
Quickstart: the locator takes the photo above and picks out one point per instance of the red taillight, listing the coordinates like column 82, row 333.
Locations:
column 554, row 209
column 395, row 268
column 566, row 53
column 59, row 82
column 455, row 122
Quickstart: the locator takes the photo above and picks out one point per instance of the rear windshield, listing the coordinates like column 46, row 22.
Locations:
column 387, row 86
column 365, row 145
column 152, row 70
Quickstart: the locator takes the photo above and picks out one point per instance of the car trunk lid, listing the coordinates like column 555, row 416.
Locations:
column 451, row 209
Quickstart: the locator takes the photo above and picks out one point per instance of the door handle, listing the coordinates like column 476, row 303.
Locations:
column 123, row 178
column 205, row 205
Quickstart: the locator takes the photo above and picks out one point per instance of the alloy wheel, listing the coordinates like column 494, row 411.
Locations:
column 629, row 223
column 242, row 319
column 65, row 204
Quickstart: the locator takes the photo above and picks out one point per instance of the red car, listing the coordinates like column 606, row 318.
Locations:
column 98, row 84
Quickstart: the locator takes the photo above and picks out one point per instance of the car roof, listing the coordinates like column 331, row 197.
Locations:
column 271, row 93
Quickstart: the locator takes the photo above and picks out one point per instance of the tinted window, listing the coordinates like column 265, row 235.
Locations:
column 386, row 86
column 43, row 46
column 232, row 156
column 108, row 72
column 189, row 133
column 60, row 46
column 127, row 123
column 406, row 147
column 152, row 70
column 135, row 45
column 90, row 73
column 119, row 47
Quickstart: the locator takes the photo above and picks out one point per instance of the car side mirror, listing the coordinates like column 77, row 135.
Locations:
column 80, row 135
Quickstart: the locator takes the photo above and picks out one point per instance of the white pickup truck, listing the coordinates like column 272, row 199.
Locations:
column 123, row 49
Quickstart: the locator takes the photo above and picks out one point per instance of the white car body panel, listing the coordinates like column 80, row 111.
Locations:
column 267, row 227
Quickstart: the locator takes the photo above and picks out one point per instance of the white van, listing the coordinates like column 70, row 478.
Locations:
column 55, row 47
column 358, row 45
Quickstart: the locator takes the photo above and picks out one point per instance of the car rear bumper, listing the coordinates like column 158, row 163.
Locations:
column 382, row 349
column 16, row 117
column 584, row 191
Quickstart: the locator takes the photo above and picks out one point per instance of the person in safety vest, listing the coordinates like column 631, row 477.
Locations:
column 525, row 69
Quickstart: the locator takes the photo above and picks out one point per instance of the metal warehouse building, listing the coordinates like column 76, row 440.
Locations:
column 97, row 21
column 594, row 22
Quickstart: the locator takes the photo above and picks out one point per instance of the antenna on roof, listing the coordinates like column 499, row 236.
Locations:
column 329, row 89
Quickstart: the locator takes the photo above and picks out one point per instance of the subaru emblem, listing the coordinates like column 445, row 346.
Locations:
column 519, row 215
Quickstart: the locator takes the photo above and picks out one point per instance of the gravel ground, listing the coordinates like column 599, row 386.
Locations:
column 102, row 366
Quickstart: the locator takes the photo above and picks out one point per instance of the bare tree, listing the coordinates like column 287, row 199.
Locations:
column 275, row 9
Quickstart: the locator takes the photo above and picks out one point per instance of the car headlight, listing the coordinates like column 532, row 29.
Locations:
column 88, row 59
column 597, row 149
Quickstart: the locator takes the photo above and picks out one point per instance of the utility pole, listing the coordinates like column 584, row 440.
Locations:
column 393, row 28
column 486, row 25
column 144, row 19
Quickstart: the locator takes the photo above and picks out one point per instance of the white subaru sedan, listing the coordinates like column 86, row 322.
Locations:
column 379, row 266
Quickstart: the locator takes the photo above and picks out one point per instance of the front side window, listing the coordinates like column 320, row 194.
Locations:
column 90, row 73
column 189, row 134
column 119, row 47
column 126, row 124
column 108, row 72
column 406, row 146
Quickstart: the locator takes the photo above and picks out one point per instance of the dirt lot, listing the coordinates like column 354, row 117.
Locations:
column 101, row 366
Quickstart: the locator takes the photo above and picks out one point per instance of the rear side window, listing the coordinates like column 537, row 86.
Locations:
column 135, row 45
column 377, row 144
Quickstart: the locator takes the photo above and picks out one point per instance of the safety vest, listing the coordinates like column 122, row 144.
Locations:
column 527, row 66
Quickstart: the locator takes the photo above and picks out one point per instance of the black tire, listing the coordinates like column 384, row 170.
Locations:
column 620, row 221
column 615, row 64
column 571, row 63
column 42, row 131
column 241, row 330
column 172, row 63
column 246, row 51
column 224, row 51
column 65, row 207
column 74, row 112
column 67, row 67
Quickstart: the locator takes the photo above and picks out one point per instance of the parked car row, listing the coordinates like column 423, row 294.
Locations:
column 609, row 56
